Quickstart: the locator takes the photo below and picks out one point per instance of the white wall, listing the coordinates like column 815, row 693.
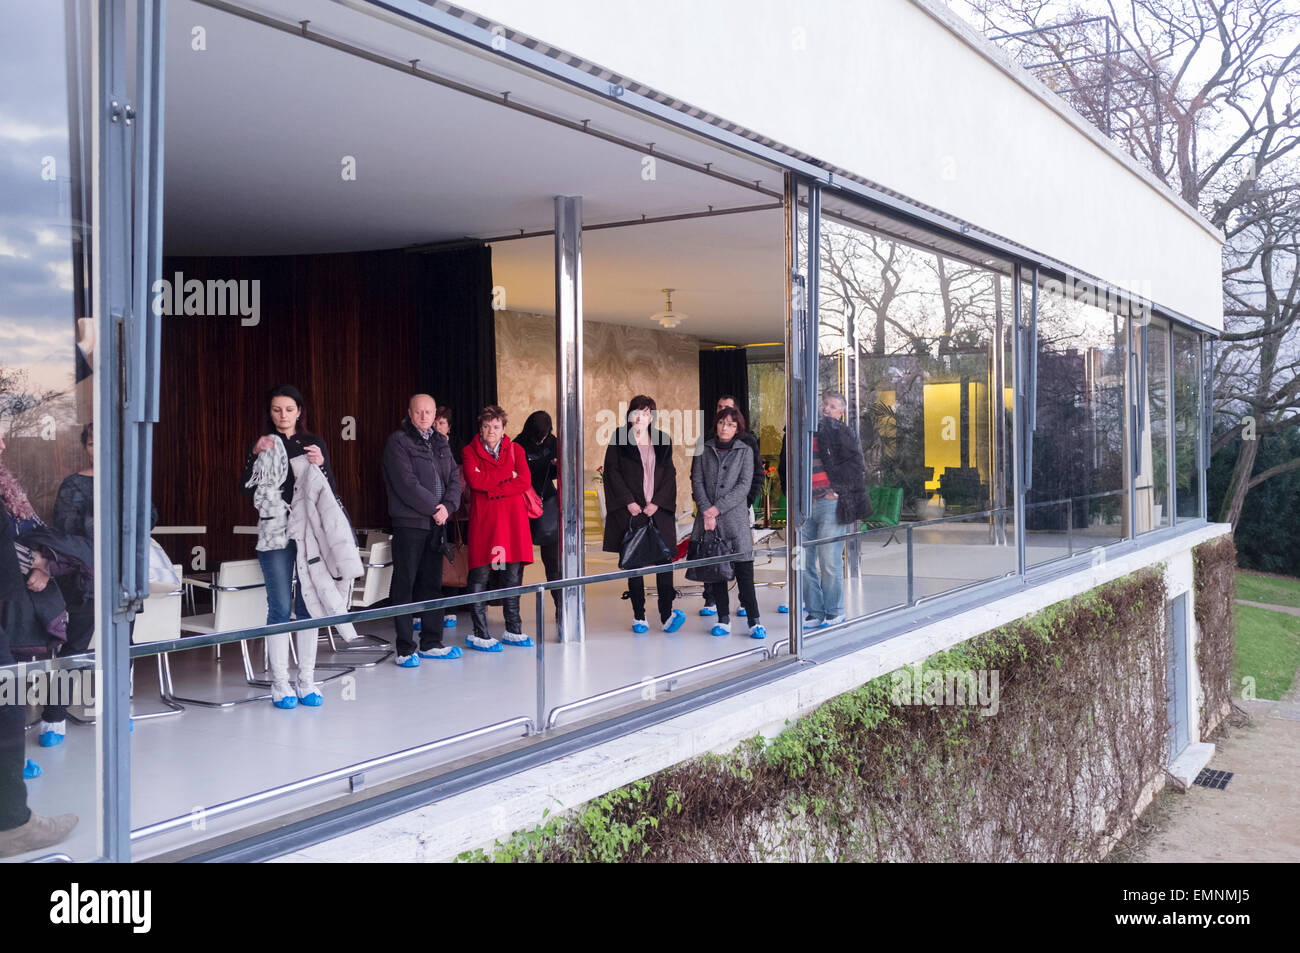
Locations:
column 883, row 89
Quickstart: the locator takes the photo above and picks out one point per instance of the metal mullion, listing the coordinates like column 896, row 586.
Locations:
column 1018, row 388
column 111, row 291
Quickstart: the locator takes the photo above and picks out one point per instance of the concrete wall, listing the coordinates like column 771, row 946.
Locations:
column 902, row 93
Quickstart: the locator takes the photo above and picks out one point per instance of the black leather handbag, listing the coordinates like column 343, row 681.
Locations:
column 642, row 545
column 546, row 528
column 709, row 544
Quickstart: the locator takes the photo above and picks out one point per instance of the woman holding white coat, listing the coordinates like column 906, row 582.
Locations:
column 269, row 477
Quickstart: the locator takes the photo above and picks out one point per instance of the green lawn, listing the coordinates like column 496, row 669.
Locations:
column 1275, row 590
column 1268, row 649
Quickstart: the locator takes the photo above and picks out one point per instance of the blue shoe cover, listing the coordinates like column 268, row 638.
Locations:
column 454, row 653
column 524, row 643
column 410, row 661
column 639, row 627
column 758, row 632
column 740, row 611
column 720, row 630
column 49, row 739
column 708, row 610
column 31, row 770
column 494, row 647
column 675, row 621
column 287, row 702
column 449, row 622
column 784, row 609
column 314, row 700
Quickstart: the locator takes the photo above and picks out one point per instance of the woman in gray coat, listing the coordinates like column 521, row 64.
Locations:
column 720, row 482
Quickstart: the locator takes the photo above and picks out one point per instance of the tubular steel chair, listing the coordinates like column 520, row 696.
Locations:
column 371, row 588
column 157, row 621
column 886, row 509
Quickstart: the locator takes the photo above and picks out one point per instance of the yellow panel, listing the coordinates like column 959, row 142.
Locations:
column 942, row 400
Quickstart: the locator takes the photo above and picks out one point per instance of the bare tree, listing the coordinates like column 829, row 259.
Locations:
column 1205, row 94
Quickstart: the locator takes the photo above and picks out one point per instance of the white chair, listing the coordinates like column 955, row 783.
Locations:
column 371, row 588
column 238, row 602
column 158, row 621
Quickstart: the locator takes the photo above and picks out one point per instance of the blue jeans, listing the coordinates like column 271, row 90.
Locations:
column 277, row 570
column 823, row 576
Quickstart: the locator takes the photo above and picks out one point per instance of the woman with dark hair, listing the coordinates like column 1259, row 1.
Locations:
column 641, row 483
column 543, row 453
column 720, row 484
column 497, row 475
column 269, row 479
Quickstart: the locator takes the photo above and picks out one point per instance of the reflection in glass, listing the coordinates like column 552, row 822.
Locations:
column 49, row 780
column 916, row 332
column 1077, row 497
column 1187, row 427
column 1152, row 488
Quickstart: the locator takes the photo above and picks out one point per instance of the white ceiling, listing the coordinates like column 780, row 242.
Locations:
column 258, row 125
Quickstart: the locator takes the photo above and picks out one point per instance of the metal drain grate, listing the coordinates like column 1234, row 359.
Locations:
column 1213, row 779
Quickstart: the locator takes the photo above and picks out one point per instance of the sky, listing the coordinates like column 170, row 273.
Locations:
column 36, row 275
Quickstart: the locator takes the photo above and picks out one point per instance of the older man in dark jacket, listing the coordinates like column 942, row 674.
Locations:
column 840, row 500
column 424, row 486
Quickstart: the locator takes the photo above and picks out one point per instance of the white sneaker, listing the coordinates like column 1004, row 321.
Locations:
column 832, row 620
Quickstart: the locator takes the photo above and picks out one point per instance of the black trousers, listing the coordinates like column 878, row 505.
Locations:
column 551, row 560
column 417, row 576
column 716, row 593
column 663, row 588
column 511, row 575
column 81, row 629
column 13, row 754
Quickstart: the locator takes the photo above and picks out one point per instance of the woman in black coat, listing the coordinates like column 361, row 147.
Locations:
column 640, row 459
column 543, row 452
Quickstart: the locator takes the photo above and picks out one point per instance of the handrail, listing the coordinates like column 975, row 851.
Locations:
column 185, row 643
column 921, row 524
column 350, row 771
column 641, row 685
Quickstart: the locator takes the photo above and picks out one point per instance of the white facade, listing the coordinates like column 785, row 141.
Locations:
column 904, row 94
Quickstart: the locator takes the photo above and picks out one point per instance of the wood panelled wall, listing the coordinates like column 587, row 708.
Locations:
column 344, row 329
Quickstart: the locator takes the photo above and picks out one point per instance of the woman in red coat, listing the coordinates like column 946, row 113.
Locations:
column 496, row 475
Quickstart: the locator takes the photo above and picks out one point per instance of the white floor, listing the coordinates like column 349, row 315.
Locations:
column 204, row 757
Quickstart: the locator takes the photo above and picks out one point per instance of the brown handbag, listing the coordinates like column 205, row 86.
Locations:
column 455, row 574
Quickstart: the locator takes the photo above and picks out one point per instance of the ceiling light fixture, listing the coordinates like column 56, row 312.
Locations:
column 668, row 317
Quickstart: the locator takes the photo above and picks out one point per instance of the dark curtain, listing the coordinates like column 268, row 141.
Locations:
column 457, row 334
column 723, row 372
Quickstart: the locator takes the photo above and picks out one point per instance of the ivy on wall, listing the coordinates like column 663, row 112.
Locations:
column 1046, row 759
column 1215, row 579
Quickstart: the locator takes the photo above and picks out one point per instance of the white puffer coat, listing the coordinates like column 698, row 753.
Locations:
column 328, row 561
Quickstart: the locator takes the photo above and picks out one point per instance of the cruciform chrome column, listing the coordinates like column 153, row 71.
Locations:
column 568, row 406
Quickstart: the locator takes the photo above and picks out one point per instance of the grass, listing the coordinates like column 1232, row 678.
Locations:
column 1268, row 650
column 1262, row 587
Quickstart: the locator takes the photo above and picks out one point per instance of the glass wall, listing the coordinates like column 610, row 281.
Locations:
column 913, row 466
column 1077, row 496
column 1152, row 485
column 1187, row 426
column 50, row 775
